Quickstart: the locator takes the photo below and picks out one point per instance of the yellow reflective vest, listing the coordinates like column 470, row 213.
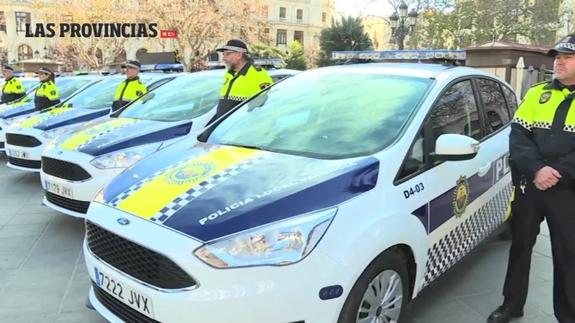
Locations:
column 128, row 91
column 241, row 86
column 543, row 132
column 46, row 95
column 12, row 90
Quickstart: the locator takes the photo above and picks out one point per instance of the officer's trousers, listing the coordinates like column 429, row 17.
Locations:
column 557, row 206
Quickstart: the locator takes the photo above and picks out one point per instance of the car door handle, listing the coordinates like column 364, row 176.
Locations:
column 483, row 170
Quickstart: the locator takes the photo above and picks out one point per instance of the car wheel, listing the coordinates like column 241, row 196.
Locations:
column 381, row 292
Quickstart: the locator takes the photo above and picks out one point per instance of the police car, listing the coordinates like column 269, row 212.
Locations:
column 16, row 112
column 75, row 166
column 26, row 139
column 342, row 191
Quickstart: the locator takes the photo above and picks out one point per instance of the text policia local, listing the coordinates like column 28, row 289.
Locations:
column 127, row 30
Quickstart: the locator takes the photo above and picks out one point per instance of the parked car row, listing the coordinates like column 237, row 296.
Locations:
column 342, row 191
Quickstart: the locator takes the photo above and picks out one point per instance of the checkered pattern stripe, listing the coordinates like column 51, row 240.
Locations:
column 569, row 128
column 461, row 240
column 541, row 124
column 185, row 198
column 522, row 123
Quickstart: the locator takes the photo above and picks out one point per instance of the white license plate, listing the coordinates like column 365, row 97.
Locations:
column 18, row 154
column 124, row 293
column 59, row 189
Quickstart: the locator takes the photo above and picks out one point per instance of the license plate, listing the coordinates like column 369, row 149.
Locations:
column 124, row 293
column 17, row 154
column 59, row 189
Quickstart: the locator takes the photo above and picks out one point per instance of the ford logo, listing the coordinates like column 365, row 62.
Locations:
column 123, row 221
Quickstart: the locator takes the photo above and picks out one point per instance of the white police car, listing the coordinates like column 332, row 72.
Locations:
column 335, row 196
column 79, row 164
column 27, row 137
column 16, row 112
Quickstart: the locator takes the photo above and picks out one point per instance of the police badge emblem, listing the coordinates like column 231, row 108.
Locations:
column 545, row 96
column 460, row 196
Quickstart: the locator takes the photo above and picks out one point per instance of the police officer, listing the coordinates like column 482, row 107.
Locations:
column 542, row 159
column 131, row 88
column 47, row 94
column 242, row 80
column 13, row 88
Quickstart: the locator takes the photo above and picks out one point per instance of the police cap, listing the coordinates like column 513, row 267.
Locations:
column 235, row 45
column 7, row 68
column 45, row 70
column 132, row 64
column 565, row 45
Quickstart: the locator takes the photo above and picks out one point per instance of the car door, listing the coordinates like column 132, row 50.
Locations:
column 443, row 194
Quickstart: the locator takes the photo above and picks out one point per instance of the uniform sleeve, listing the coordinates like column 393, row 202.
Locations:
column 18, row 87
column 52, row 93
column 523, row 152
column 265, row 80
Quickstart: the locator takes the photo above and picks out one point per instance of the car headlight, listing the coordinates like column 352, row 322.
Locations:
column 124, row 158
column 277, row 244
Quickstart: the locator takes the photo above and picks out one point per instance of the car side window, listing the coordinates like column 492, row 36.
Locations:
column 415, row 160
column 511, row 100
column 456, row 113
column 494, row 103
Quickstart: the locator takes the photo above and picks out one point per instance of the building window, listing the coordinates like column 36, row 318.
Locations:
column 323, row 17
column 281, row 38
column 24, row 52
column 22, row 18
column 298, row 35
column 2, row 21
column 299, row 15
column 283, row 13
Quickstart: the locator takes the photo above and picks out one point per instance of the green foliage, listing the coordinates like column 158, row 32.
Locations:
column 295, row 58
column 347, row 34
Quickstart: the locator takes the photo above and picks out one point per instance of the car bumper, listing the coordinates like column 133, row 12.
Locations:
column 242, row 295
column 78, row 193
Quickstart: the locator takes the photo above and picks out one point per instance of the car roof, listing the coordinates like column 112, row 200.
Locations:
column 81, row 77
column 282, row 71
column 412, row 69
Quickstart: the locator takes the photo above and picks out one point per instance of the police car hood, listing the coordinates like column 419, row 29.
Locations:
column 16, row 109
column 60, row 117
column 207, row 192
column 112, row 134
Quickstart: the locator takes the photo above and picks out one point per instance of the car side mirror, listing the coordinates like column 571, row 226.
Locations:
column 453, row 147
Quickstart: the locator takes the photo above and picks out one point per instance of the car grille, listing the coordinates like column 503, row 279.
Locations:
column 64, row 169
column 22, row 140
column 26, row 163
column 68, row 204
column 121, row 310
column 137, row 261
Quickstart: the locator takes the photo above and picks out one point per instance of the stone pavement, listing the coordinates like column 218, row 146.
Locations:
column 43, row 277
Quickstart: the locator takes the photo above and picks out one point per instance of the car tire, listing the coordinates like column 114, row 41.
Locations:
column 387, row 269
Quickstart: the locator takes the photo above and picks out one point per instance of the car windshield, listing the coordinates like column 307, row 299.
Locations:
column 67, row 86
column 325, row 113
column 185, row 97
column 98, row 96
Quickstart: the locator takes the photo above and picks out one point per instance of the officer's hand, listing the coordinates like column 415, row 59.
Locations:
column 546, row 178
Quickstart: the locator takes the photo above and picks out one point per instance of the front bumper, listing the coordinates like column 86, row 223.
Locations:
column 243, row 295
column 79, row 193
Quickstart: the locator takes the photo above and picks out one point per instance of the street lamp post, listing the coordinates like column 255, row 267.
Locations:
column 402, row 24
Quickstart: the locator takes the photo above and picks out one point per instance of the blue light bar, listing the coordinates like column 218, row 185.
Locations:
column 445, row 54
column 178, row 67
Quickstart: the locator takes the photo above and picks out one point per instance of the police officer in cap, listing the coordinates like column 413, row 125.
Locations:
column 542, row 159
column 47, row 94
column 242, row 80
column 131, row 88
column 13, row 88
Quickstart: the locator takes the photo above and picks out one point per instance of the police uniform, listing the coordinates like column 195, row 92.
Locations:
column 129, row 90
column 47, row 93
column 12, row 89
column 241, row 85
column 542, row 134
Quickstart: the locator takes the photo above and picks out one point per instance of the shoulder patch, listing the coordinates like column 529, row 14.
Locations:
column 139, row 93
column 53, row 92
column 18, row 87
